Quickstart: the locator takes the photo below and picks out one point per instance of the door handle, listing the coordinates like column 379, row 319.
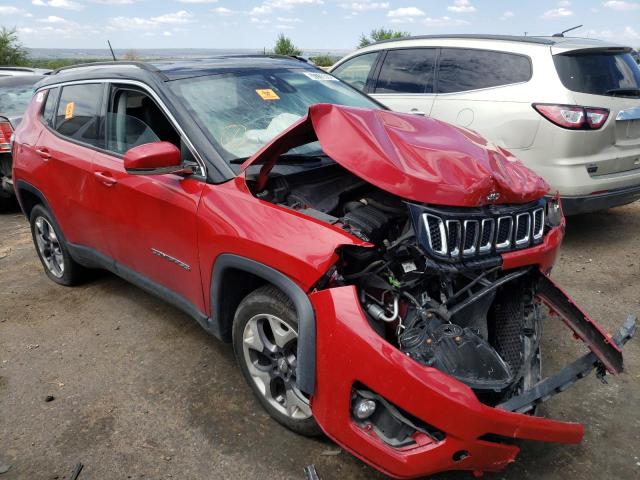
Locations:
column 106, row 178
column 415, row 111
column 44, row 153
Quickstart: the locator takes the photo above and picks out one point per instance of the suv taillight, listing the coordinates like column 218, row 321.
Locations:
column 6, row 130
column 573, row 117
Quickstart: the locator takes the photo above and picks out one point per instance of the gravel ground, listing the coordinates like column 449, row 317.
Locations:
column 140, row 391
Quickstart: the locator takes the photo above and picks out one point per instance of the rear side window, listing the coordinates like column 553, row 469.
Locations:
column 356, row 70
column 50, row 106
column 465, row 69
column 78, row 113
column 599, row 73
column 407, row 71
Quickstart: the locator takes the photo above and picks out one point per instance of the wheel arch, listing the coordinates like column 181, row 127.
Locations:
column 251, row 275
column 28, row 197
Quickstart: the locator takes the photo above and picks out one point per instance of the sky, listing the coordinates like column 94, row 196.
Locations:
column 311, row 24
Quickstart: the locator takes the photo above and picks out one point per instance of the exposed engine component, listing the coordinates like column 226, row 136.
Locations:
column 459, row 312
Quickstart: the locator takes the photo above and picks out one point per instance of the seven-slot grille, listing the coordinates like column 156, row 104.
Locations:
column 457, row 236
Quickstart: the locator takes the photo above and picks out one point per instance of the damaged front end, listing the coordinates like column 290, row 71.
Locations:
column 428, row 336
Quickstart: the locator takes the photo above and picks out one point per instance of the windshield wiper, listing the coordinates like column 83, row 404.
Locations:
column 623, row 91
column 289, row 158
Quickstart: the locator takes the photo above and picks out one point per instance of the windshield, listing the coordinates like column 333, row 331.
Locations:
column 242, row 111
column 599, row 73
column 15, row 99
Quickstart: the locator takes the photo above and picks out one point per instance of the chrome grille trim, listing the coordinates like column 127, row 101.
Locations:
column 507, row 243
column 538, row 216
column 428, row 218
column 491, row 225
column 455, row 250
column 523, row 217
column 462, row 235
column 470, row 250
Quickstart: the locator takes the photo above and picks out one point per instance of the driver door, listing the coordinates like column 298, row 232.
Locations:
column 151, row 219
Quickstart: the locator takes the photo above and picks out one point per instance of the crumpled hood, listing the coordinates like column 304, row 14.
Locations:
column 413, row 157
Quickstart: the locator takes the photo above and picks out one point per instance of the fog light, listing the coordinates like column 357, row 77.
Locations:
column 364, row 408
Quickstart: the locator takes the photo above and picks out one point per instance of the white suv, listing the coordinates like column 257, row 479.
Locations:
column 569, row 108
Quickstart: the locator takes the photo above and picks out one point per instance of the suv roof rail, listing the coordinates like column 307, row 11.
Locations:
column 475, row 36
column 142, row 65
column 17, row 69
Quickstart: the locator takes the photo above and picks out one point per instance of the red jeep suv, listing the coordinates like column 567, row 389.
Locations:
column 380, row 275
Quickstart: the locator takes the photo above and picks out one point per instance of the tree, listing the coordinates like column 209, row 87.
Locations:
column 379, row 34
column 284, row 46
column 12, row 52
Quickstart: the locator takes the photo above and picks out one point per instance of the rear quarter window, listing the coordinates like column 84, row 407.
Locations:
column 78, row 113
column 50, row 106
column 469, row 69
column 599, row 73
column 407, row 71
column 355, row 71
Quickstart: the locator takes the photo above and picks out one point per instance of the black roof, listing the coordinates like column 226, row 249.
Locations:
column 165, row 70
column 476, row 36
column 19, row 80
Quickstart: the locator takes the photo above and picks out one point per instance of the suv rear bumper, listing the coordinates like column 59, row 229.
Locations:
column 574, row 205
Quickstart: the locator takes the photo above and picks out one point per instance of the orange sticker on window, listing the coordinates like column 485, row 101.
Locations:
column 68, row 113
column 267, row 94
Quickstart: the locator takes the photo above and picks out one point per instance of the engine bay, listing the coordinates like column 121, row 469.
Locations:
column 465, row 317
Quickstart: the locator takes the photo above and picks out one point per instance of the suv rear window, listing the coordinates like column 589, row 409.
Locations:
column 78, row 113
column 599, row 73
column 407, row 71
column 355, row 71
column 466, row 69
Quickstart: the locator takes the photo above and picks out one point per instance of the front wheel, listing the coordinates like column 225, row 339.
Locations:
column 265, row 342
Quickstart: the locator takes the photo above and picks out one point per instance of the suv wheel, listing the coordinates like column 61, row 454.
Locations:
column 52, row 250
column 265, row 341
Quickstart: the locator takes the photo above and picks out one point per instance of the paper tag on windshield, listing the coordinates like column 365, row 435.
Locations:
column 40, row 97
column 267, row 94
column 68, row 113
column 321, row 77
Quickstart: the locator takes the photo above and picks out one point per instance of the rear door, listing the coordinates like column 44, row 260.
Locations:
column 151, row 219
column 606, row 78
column 66, row 148
column 405, row 82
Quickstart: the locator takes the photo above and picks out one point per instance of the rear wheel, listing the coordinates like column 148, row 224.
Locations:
column 52, row 249
column 265, row 341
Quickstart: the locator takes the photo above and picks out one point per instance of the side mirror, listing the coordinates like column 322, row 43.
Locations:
column 153, row 159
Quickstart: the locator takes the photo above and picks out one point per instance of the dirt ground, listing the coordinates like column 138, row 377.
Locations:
column 140, row 391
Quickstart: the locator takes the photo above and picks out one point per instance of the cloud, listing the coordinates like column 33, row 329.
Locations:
column 10, row 10
column 114, row 2
column 365, row 6
column 630, row 32
column 180, row 17
column 53, row 19
column 198, row 1
column 225, row 12
column 444, row 22
column 270, row 5
column 404, row 14
column 39, row 3
column 507, row 15
column 557, row 13
column 284, row 27
column 288, row 20
column 66, row 4
column 564, row 3
column 621, row 6
column 598, row 33
column 461, row 6
column 167, row 33
column 126, row 23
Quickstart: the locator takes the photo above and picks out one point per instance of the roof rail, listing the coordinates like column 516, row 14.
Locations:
column 17, row 69
column 142, row 65
column 506, row 38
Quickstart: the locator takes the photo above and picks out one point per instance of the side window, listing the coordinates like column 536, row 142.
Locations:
column 134, row 119
column 78, row 113
column 407, row 71
column 50, row 105
column 356, row 70
column 461, row 69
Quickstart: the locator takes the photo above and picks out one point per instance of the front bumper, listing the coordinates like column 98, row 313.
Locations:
column 600, row 201
column 349, row 351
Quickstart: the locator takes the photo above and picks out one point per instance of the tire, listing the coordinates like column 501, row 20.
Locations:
column 265, row 332
column 52, row 249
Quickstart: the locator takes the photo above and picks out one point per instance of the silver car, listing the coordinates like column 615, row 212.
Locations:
column 569, row 108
